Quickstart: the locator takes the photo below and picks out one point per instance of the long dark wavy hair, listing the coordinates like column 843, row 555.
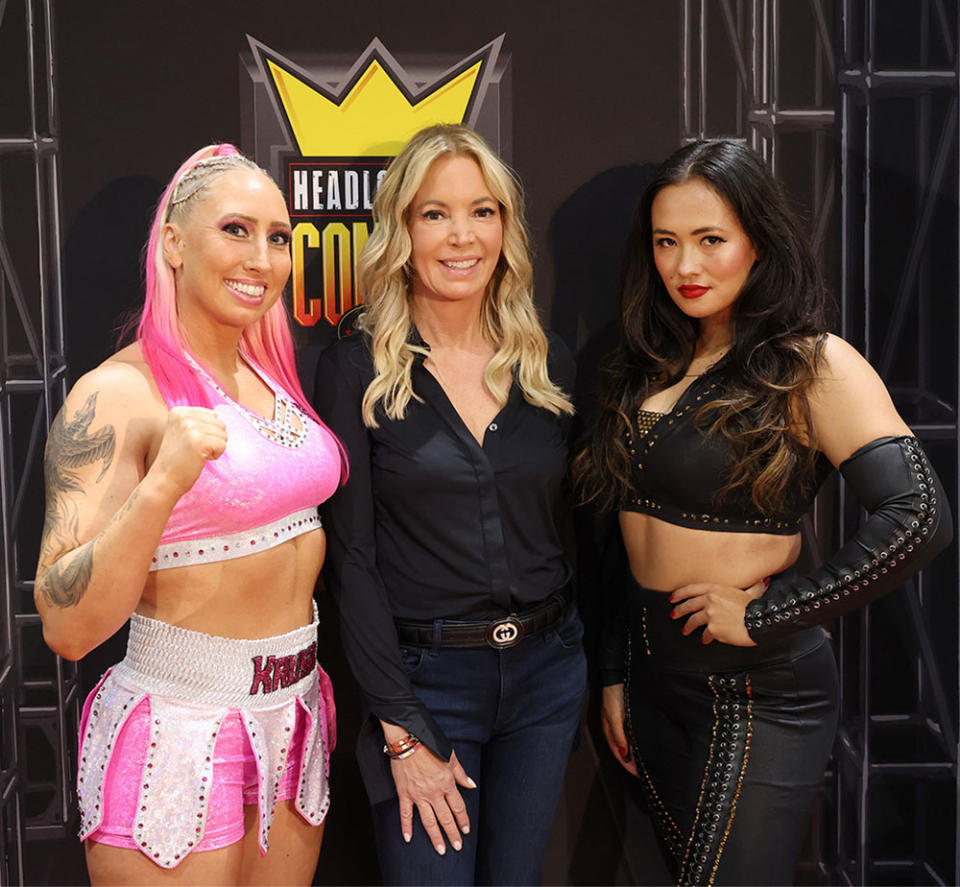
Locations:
column 779, row 324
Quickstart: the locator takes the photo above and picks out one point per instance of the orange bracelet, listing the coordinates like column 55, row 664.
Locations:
column 402, row 748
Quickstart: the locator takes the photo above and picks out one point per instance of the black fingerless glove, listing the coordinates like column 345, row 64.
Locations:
column 909, row 524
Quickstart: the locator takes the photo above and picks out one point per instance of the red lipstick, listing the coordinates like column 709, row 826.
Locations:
column 689, row 291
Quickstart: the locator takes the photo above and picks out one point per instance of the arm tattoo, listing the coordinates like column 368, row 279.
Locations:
column 67, row 579
column 70, row 446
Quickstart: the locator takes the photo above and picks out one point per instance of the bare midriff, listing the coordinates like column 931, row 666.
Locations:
column 257, row 596
column 665, row 556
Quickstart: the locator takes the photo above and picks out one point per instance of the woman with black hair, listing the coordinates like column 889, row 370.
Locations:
column 721, row 413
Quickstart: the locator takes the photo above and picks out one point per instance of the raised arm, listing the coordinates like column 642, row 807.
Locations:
column 855, row 423
column 909, row 522
column 105, row 512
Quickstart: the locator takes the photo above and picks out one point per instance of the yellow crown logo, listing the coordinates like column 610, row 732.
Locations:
column 376, row 109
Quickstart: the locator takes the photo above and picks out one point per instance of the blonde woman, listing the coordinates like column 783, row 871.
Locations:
column 447, row 549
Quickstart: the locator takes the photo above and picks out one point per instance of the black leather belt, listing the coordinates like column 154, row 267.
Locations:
column 497, row 633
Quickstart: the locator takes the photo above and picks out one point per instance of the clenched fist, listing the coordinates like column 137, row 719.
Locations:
column 192, row 436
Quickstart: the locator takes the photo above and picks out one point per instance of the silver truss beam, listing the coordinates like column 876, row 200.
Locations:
column 38, row 710
column 750, row 32
column 754, row 33
column 866, row 90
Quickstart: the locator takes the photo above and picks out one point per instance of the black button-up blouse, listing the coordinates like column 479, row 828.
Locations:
column 432, row 524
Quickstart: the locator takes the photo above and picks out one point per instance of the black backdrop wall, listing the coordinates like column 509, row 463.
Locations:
column 142, row 85
column 598, row 91
column 594, row 94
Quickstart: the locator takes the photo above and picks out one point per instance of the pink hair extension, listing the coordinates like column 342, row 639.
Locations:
column 268, row 342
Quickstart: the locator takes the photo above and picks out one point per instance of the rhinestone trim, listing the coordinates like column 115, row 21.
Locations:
column 184, row 725
column 223, row 548
column 288, row 428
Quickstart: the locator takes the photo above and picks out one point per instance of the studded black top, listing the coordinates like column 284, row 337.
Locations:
column 678, row 469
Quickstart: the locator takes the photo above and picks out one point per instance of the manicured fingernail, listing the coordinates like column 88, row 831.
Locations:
column 623, row 751
column 457, row 845
column 471, row 783
column 671, row 599
column 673, row 614
column 766, row 581
column 407, row 837
column 441, row 849
column 466, row 829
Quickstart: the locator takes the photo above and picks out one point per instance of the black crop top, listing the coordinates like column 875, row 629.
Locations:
column 678, row 468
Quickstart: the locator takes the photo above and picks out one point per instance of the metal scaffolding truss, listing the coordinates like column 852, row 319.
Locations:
column 38, row 692
column 762, row 71
column 898, row 127
column 767, row 72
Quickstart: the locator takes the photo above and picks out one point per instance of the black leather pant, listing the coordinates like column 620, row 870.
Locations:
column 731, row 743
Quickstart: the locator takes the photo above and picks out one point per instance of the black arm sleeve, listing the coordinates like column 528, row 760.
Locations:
column 352, row 572
column 909, row 523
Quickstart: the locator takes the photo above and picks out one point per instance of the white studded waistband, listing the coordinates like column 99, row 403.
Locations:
column 211, row 670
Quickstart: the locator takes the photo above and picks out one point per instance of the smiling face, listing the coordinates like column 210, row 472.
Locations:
column 231, row 254
column 701, row 250
column 456, row 231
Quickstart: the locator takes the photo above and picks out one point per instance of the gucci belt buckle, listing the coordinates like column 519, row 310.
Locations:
column 503, row 633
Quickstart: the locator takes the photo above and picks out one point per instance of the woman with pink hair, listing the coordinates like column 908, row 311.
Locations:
column 183, row 476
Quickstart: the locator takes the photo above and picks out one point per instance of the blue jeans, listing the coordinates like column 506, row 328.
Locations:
column 511, row 716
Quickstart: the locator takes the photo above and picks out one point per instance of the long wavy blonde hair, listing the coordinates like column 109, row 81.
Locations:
column 508, row 317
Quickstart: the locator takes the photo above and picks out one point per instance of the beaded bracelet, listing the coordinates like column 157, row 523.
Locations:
column 401, row 749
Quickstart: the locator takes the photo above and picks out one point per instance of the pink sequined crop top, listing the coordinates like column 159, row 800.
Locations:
column 263, row 490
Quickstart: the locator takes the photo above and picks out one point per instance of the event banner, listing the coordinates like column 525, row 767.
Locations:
column 326, row 127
